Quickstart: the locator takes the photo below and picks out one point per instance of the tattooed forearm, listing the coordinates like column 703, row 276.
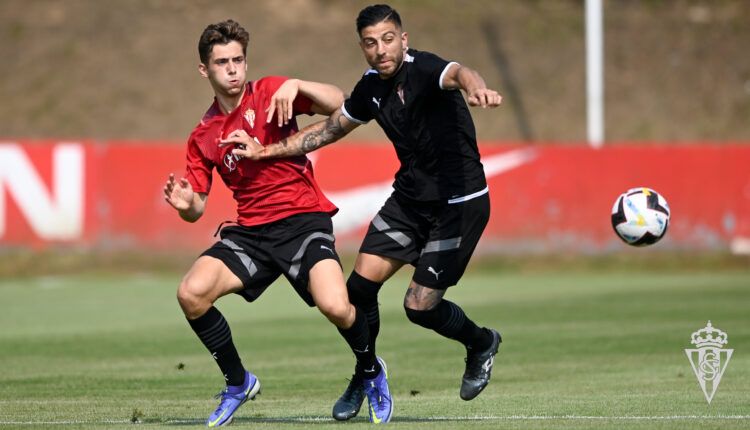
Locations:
column 308, row 139
column 334, row 127
column 331, row 132
column 284, row 142
column 311, row 141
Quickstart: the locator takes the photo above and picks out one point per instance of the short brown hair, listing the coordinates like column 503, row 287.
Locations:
column 221, row 33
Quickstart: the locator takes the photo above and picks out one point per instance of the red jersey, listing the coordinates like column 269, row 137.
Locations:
column 265, row 190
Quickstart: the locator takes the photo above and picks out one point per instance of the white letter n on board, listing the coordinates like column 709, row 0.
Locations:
column 54, row 213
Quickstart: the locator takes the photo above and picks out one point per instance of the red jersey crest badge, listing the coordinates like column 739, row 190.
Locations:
column 250, row 117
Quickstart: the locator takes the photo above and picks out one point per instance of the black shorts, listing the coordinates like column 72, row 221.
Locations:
column 291, row 246
column 437, row 239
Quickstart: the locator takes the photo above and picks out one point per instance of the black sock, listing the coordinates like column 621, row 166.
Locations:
column 358, row 336
column 363, row 293
column 449, row 320
column 212, row 329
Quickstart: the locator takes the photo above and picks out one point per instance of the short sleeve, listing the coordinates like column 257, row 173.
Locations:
column 198, row 169
column 355, row 107
column 430, row 69
column 303, row 105
column 270, row 84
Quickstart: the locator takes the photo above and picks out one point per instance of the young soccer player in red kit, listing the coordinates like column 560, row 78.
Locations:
column 283, row 219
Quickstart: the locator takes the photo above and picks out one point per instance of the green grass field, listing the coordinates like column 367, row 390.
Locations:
column 583, row 349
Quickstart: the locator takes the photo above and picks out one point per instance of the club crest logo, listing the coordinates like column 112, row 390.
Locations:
column 250, row 117
column 709, row 359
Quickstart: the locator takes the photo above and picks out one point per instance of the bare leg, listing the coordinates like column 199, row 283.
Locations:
column 375, row 267
column 329, row 293
column 207, row 280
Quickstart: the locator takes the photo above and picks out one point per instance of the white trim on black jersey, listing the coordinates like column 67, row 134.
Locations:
column 469, row 197
column 349, row 117
column 442, row 75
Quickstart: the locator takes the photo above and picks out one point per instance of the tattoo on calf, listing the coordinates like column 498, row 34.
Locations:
column 423, row 297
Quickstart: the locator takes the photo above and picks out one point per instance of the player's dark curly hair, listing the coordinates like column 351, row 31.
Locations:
column 221, row 33
column 376, row 13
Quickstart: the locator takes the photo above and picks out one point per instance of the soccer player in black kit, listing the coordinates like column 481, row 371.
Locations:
column 440, row 206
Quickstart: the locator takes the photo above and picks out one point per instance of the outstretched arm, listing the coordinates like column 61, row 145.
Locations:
column 306, row 140
column 458, row 76
column 325, row 97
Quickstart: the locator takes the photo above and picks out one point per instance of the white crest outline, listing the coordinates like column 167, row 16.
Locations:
column 709, row 360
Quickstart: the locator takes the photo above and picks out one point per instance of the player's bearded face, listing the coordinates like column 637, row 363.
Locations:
column 383, row 45
column 226, row 68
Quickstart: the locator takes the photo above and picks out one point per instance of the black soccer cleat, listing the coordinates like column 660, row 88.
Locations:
column 479, row 368
column 349, row 404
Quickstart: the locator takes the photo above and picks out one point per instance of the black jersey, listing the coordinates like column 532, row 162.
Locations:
column 431, row 128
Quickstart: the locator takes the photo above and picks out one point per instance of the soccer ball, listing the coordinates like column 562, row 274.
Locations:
column 640, row 216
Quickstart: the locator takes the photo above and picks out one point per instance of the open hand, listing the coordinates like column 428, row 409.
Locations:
column 282, row 102
column 179, row 194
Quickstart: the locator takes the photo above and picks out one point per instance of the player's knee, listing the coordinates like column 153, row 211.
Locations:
column 339, row 312
column 418, row 303
column 192, row 298
column 362, row 291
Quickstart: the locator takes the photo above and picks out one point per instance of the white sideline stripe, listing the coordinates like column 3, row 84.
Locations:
column 445, row 418
column 35, row 423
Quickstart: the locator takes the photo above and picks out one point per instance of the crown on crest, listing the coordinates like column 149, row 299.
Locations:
column 709, row 336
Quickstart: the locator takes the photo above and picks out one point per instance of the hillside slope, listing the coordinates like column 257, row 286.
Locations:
column 675, row 70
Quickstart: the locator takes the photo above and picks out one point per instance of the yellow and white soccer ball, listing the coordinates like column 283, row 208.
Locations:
column 640, row 216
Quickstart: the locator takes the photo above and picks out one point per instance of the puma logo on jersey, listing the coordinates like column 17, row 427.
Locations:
column 376, row 101
column 437, row 274
column 329, row 250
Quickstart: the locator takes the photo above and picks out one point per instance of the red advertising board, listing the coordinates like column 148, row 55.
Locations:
column 545, row 198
